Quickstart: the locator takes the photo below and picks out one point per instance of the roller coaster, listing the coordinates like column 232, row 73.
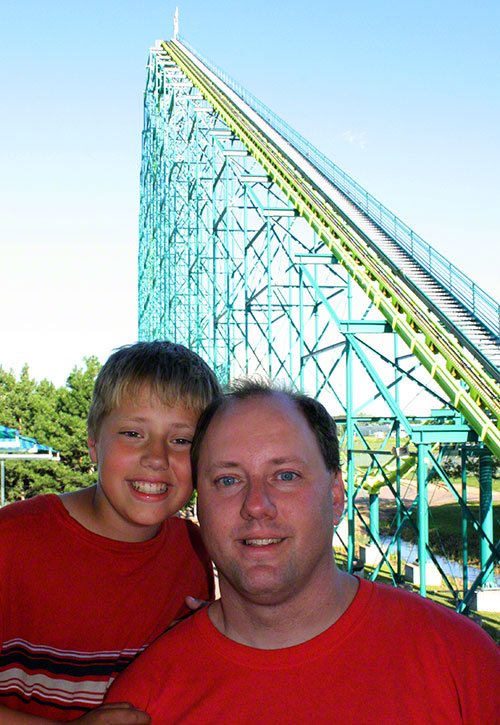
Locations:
column 265, row 257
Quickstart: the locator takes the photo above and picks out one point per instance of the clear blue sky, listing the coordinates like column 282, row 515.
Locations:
column 404, row 96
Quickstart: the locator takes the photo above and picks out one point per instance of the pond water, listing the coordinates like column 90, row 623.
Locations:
column 452, row 569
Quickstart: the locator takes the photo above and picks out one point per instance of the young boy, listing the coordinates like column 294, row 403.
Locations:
column 90, row 578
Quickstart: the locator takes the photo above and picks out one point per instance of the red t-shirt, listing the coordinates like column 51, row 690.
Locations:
column 76, row 607
column 393, row 657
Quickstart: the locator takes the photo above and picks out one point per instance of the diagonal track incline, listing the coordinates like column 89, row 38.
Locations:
column 437, row 349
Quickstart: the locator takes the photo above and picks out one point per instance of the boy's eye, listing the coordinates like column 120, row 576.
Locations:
column 286, row 476
column 182, row 441
column 130, row 433
column 226, row 481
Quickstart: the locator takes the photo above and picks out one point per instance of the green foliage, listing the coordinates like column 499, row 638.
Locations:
column 56, row 417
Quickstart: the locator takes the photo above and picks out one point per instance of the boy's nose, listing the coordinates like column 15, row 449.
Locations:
column 155, row 455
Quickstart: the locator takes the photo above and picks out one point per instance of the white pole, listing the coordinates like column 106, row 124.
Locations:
column 176, row 23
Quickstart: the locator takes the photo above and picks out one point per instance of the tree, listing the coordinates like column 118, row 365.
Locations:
column 56, row 417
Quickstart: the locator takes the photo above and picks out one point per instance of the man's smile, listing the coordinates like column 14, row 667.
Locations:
column 261, row 542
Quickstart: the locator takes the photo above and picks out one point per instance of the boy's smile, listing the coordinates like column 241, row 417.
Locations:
column 142, row 453
column 149, row 487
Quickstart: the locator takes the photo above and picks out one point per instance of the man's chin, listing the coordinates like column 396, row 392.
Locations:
column 259, row 588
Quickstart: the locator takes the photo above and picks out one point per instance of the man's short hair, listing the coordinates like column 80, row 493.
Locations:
column 318, row 418
column 173, row 373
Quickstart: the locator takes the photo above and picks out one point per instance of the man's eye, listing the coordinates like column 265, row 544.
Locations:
column 226, row 481
column 287, row 476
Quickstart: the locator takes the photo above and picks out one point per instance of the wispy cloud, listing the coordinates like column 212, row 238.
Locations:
column 359, row 139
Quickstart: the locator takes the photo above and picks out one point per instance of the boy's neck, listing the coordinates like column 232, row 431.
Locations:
column 83, row 506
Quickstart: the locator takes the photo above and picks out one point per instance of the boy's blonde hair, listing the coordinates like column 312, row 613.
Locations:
column 173, row 374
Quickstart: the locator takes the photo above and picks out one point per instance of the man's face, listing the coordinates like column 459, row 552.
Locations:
column 266, row 501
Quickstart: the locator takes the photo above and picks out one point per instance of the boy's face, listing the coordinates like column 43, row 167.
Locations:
column 142, row 453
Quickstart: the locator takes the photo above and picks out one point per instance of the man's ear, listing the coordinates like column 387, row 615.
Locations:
column 338, row 496
column 92, row 449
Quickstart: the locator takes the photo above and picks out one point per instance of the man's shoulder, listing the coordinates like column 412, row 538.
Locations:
column 175, row 651
column 423, row 616
column 174, row 643
column 410, row 603
column 189, row 628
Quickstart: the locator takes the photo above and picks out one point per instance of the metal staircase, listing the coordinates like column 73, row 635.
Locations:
column 464, row 309
column 458, row 320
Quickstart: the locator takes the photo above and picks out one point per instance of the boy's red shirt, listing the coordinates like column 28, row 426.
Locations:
column 76, row 608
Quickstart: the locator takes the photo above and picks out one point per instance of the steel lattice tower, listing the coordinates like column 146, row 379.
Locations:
column 264, row 263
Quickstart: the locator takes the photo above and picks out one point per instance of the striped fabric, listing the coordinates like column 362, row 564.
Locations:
column 76, row 607
column 65, row 678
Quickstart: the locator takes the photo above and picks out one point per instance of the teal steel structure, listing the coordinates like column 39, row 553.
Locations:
column 255, row 252
column 16, row 447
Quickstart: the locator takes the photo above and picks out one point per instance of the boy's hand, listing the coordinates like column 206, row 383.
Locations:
column 115, row 713
column 195, row 604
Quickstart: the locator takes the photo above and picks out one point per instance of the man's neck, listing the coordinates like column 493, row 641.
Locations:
column 280, row 624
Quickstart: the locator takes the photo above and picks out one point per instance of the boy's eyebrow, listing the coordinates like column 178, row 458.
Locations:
column 144, row 419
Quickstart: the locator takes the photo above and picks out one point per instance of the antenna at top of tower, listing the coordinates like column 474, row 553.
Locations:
column 176, row 23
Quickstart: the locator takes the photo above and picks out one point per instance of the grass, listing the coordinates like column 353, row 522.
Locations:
column 473, row 481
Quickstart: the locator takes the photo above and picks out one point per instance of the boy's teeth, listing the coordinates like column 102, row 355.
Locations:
column 147, row 487
column 261, row 542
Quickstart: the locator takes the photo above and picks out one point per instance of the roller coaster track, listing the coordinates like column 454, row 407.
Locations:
column 470, row 389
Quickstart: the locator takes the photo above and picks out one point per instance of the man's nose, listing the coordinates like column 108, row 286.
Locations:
column 258, row 503
column 155, row 454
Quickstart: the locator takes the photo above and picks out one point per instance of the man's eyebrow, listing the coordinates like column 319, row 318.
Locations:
column 217, row 465
column 222, row 464
column 286, row 459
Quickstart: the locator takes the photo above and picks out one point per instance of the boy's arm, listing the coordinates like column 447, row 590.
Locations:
column 115, row 713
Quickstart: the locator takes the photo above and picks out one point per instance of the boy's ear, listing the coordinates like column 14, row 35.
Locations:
column 338, row 496
column 92, row 449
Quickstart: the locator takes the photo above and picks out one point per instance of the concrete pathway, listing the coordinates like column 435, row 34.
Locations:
column 438, row 494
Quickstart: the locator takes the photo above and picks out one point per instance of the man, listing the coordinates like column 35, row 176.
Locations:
column 293, row 639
